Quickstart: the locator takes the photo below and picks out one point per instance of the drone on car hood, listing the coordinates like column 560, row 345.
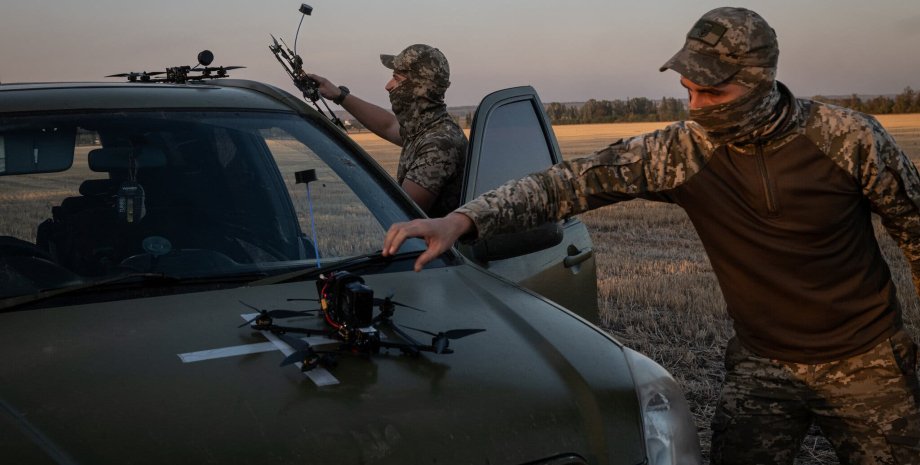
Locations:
column 347, row 308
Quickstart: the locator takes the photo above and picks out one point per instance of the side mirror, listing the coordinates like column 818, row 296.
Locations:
column 45, row 150
column 516, row 244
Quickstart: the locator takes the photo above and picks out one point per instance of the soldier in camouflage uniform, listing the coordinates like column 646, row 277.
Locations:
column 781, row 192
column 434, row 147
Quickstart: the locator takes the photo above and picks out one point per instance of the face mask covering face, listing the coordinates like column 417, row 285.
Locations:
column 416, row 103
column 743, row 120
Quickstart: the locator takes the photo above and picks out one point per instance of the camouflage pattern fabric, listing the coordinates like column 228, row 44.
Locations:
column 867, row 406
column 658, row 165
column 421, row 61
column 665, row 159
column 434, row 146
column 861, row 147
column 832, row 166
column 748, row 118
column 435, row 160
column 417, row 103
column 722, row 43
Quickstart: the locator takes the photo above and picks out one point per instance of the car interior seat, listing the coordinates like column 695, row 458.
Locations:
column 85, row 232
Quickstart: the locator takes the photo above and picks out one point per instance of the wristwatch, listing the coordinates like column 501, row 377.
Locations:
column 341, row 97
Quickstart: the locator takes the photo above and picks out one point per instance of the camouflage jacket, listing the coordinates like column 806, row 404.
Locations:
column 786, row 222
column 434, row 158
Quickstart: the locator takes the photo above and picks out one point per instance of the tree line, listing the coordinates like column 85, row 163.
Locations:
column 905, row 102
column 642, row 109
column 617, row 111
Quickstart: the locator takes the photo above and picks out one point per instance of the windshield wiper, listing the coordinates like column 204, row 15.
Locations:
column 351, row 263
column 13, row 302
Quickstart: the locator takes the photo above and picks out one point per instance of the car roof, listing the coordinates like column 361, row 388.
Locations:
column 210, row 95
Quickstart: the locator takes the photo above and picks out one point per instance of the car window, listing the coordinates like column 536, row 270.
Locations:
column 182, row 193
column 513, row 146
column 328, row 210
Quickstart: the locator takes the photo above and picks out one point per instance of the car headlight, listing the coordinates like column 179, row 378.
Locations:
column 669, row 429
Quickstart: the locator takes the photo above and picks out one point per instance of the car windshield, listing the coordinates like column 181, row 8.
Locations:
column 85, row 197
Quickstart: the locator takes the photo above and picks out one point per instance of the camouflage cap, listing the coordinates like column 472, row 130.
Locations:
column 420, row 60
column 721, row 43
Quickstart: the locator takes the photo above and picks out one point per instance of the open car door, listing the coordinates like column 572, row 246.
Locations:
column 510, row 138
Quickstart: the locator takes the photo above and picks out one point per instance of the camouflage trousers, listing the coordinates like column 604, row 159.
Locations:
column 867, row 406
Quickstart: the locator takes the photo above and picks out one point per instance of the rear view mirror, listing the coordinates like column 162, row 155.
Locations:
column 516, row 244
column 43, row 150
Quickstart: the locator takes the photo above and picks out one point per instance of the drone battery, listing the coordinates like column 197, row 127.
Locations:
column 129, row 202
column 359, row 304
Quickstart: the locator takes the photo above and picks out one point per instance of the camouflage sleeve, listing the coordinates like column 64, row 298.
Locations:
column 860, row 145
column 437, row 161
column 642, row 166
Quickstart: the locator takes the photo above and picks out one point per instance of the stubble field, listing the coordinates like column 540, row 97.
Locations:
column 657, row 293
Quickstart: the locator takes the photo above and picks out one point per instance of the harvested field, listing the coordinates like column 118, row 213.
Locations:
column 656, row 289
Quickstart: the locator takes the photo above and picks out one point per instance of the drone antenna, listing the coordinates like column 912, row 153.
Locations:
column 306, row 177
column 305, row 10
column 293, row 66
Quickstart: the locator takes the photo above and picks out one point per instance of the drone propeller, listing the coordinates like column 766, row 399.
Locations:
column 387, row 306
column 440, row 340
column 134, row 76
column 227, row 68
column 219, row 70
column 277, row 313
column 303, row 352
column 388, row 300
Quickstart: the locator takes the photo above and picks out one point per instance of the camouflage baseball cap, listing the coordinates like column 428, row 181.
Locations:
column 422, row 61
column 721, row 43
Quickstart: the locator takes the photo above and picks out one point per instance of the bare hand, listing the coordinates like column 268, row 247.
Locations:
column 439, row 235
column 326, row 88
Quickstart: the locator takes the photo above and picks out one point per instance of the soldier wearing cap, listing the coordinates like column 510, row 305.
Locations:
column 780, row 191
column 433, row 145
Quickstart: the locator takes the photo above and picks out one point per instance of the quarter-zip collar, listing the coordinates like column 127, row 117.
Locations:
column 786, row 125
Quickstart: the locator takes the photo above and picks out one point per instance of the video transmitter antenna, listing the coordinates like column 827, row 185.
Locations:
column 293, row 65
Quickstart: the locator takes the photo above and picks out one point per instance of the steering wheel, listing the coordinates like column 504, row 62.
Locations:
column 30, row 267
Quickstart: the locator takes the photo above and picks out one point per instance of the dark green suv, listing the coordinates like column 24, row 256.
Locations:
column 189, row 274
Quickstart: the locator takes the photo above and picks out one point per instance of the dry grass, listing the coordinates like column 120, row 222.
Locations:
column 657, row 292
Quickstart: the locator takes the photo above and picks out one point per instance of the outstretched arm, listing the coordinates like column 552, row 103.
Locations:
column 378, row 120
column 439, row 234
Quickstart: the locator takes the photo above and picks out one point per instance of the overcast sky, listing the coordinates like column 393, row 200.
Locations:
column 568, row 50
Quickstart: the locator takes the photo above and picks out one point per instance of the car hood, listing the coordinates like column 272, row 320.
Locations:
column 113, row 382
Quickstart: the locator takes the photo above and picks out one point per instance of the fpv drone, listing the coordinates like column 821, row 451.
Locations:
column 182, row 74
column 347, row 308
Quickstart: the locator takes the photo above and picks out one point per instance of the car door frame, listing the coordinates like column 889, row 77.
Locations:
column 564, row 272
